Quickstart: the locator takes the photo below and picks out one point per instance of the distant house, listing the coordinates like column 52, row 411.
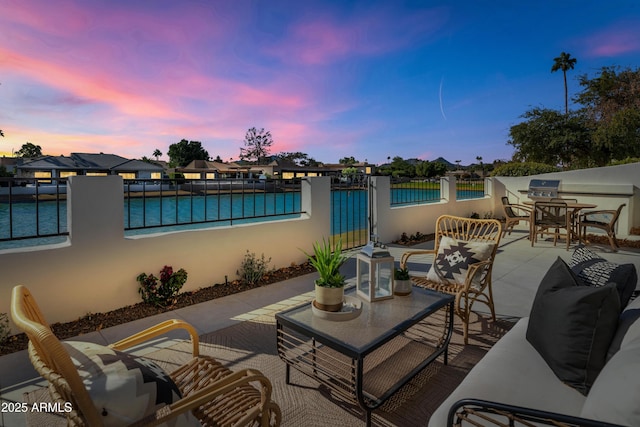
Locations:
column 205, row 169
column 277, row 168
column 87, row 164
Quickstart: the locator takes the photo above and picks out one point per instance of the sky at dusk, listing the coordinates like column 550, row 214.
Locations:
column 369, row 79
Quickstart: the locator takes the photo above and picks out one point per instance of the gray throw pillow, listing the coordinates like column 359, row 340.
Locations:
column 572, row 325
column 594, row 270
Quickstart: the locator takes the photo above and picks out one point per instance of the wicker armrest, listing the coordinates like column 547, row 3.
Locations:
column 157, row 330
column 476, row 269
column 205, row 397
column 585, row 215
column 474, row 412
column 408, row 254
column 526, row 209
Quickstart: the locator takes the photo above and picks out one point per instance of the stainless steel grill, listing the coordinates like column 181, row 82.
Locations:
column 543, row 189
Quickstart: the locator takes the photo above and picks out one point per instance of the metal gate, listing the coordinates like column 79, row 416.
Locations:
column 349, row 210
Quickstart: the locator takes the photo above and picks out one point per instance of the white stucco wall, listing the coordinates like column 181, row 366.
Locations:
column 95, row 270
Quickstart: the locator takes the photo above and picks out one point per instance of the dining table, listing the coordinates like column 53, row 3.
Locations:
column 573, row 207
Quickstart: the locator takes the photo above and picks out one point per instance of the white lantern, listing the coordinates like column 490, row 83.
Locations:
column 374, row 273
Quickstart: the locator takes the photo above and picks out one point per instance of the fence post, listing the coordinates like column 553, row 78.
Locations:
column 95, row 210
column 380, row 206
column 315, row 201
column 448, row 188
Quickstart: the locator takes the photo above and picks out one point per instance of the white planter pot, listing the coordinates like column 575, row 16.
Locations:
column 329, row 299
column 402, row 287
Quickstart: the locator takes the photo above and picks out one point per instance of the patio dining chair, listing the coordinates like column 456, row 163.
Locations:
column 575, row 231
column 105, row 386
column 463, row 255
column 514, row 213
column 603, row 219
column 550, row 218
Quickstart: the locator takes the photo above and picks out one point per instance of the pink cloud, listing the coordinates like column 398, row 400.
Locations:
column 619, row 40
column 325, row 39
column 66, row 79
column 116, row 80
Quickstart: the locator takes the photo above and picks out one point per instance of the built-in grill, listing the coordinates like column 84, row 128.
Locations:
column 543, row 189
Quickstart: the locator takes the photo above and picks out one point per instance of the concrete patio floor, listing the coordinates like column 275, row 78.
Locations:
column 517, row 272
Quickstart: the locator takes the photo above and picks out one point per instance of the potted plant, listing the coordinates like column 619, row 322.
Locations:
column 330, row 284
column 402, row 285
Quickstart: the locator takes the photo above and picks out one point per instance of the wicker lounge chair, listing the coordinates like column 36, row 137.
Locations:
column 212, row 393
column 604, row 220
column 462, row 262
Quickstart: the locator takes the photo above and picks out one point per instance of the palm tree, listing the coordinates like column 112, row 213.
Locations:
column 479, row 159
column 564, row 62
column 157, row 153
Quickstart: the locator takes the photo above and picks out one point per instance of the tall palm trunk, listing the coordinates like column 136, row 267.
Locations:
column 564, row 62
column 566, row 94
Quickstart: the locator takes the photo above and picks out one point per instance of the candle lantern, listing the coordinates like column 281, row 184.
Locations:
column 374, row 273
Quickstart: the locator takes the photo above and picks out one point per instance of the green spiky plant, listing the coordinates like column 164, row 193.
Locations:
column 327, row 263
column 401, row 274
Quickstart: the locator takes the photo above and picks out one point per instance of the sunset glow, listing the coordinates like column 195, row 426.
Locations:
column 369, row 79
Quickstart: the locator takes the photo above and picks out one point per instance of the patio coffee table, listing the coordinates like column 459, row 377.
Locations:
column 369, row 358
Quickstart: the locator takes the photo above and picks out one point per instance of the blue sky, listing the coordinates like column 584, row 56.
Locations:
column 369, row 79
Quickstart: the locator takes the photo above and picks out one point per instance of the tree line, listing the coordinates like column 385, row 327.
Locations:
column 604, row 129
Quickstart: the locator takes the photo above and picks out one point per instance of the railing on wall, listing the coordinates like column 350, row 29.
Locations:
column 151, row 204
column 470, row 189
column 32, row 208
column 411, row 191
column 349, row 211
column 37, row 208
column 407, row 191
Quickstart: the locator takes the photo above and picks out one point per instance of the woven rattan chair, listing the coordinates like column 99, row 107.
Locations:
column 603, row 219
column 213, row 393
column 477, row 283
column 513, row 214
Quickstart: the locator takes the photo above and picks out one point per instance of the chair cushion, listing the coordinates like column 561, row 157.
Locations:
column 572, row 325
column 594, row 270
column 454, row 258
column 615, row 394
column 123, row 387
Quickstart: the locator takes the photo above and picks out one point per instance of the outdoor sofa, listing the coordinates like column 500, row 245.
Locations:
column 574, row 361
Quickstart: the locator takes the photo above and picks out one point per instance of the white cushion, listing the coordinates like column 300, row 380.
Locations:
column 124, row 388
column 454, row 258
column 513, row 372
column 615, row 395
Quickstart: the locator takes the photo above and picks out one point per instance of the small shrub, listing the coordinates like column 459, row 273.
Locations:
column 253, row 268
column 523, row 169
column 625, row 161
column 161, row 294
column 4, row 327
